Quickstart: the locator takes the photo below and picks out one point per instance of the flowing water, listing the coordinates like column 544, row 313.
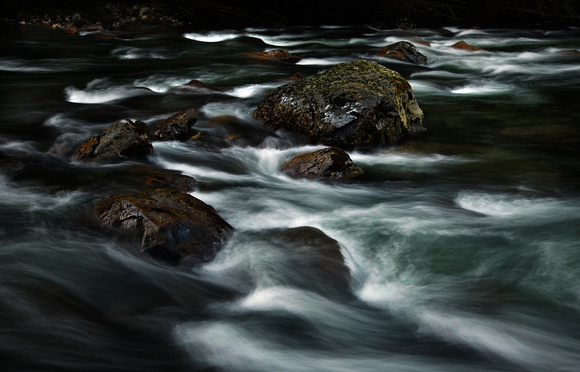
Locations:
column 463, row 242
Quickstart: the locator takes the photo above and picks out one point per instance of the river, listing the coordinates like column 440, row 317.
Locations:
column 463, row 242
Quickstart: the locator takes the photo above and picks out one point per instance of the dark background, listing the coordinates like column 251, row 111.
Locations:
column 244, row 13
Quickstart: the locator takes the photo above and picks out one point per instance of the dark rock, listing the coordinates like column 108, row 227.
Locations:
column 358, row 104
column 177, row 127
column 295, row 76
column 314, row 258
column 329, row 162
column 462, row 45
column 199, row 84
column 403, row 51
column 127, row 138
column 277, row 55
column 172, row 225
column 153, row 178
column 571, row 52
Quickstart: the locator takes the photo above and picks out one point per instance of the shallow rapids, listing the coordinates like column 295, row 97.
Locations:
column 462, row 242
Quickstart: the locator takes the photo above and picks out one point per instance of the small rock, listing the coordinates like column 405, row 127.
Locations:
column 171, row 225
column 277, row 55
column 199, row 84
column 403, row 51
column 177, row 127
column 462, row 45
column 330, row 162
column 125, row 139
column 571, row 52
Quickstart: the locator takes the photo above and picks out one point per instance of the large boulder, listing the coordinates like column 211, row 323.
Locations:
column 177, row 127
column 403, row 51
column 330, row 162
column 125, row 139
column 358, row 104
column 171, row 225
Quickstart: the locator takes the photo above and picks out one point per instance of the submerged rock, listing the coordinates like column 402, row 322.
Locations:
column 125, row 139
column 314, row 258
column 330, row 162
column 403, row 51
column 200, row 85
column 172, row 225
column 177, row 127
column 358, row 104
column 277, row 55
column 462, row 45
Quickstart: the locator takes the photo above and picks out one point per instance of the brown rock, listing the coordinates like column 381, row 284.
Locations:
column 330, row 162
column 571, row 52
column 462, row 45
column 171, row 225
column 177, row 127
column 199, row 84
column 277, row 55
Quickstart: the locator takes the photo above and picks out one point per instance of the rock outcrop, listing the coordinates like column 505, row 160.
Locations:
column 177, row 127
column 330, row 162
column 403, row 51
column 171, row 225
column 358, row 104
column 125, row 139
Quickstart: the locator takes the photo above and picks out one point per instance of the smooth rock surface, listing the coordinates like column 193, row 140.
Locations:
column 403, row 51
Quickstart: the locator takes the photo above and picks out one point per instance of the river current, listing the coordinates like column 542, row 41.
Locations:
column 463, row 242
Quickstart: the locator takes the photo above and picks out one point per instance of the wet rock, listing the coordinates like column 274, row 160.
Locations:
column 277, row 55
column 293, row 77
column 403, row 51
column 462, row 45
column 358, row 104
column 125, row 139
column 330, row 162
column 171, row 225
column 177, row 127
column 153, row 178
column 200, row 85
column 571, row 52
column 314, row 259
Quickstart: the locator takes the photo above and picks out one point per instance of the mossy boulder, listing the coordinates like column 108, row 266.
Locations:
column 171, row 225
column 125, row 139
column 358, row 104
column 326, row 163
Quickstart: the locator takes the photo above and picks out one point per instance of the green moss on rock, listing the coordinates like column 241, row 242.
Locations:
column 358, row 104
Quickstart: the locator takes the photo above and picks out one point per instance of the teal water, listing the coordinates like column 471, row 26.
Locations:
column 463, row 242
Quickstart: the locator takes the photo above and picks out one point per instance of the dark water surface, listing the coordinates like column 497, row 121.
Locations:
column 463, row 242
